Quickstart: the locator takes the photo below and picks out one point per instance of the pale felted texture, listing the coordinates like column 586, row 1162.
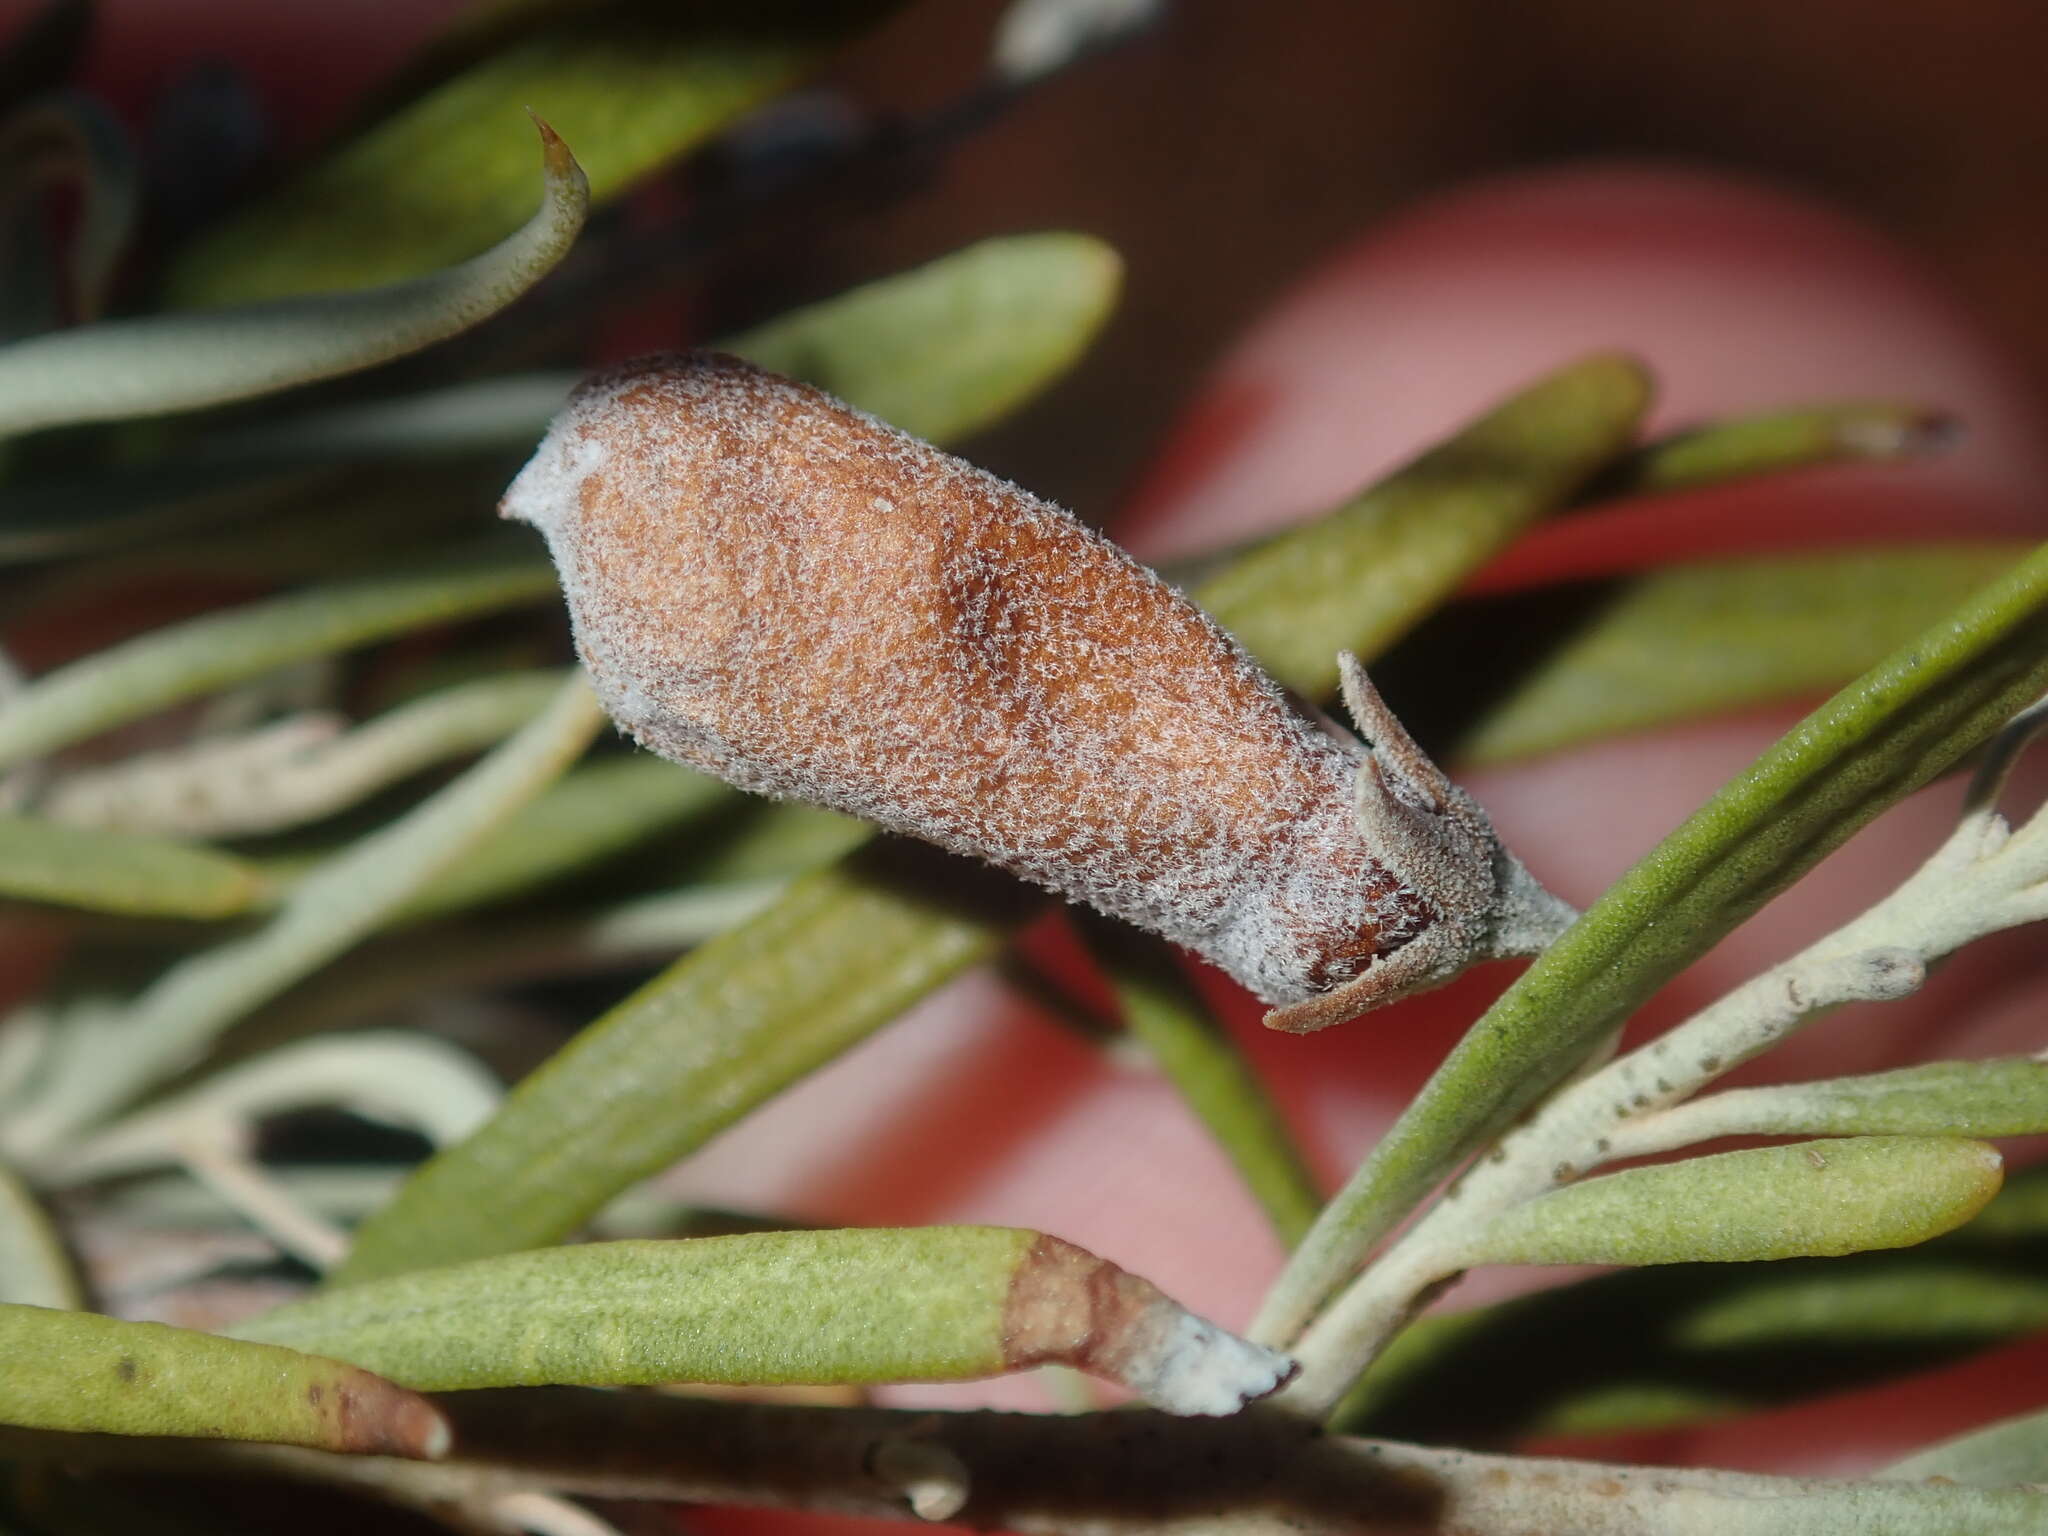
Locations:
column 773, row 587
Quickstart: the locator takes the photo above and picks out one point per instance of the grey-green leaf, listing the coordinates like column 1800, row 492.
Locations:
column 2007, row 1097
column 1359, row 577
column 1818, row 1198
column 182, row 661
column 99, row 1375
column 122, row 873
column 154, row 364
column 1693, row 640
column 631, row 85
column 719, row 1032
column 1894, row 729
column 952, row 346
column 2013, row 1450
column 767, row 1308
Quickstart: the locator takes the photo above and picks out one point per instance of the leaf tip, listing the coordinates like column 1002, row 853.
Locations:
column 1069, row 1307
column 557, row 160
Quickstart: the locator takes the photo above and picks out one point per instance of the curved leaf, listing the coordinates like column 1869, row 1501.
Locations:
column 819, row 1308
column 1944, row 1098
column 35, row 1269
column 346, row 898
column 168, row 666
column 1891, row 731
column 98, row 1375
column 952, row 346
column 412, row 1080
column 1700, row 639
column 1814, row 1199
column 1650, row 1348
column 160, row 363
column 736, row 1021
column 118, row 872
column 633, row 85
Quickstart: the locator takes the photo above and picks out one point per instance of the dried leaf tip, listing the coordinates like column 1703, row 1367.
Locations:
column 1068, row 1306
column 775, row 588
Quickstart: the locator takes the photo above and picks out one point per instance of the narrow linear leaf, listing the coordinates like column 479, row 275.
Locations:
column 1695, row 640
column 345, row 899
column 411, row 1080
column 730, row 1024
column 2013, row 1450
column 719, row 1032
column 182, row 661
column 1211, row 1075
column 119, row 872
column 1664, row 1347
column 592, row 814
column 942, row 349
column 950, row 347
column 297, row 770
column 1781, row 440
column 156, row 364
column 1360, row 576
column 818, row 1308
column 35, row 1268
column 1945, row 1098
column 99, row 1375
column 1819, row 1198
column 1888, row 733
column 633, row 85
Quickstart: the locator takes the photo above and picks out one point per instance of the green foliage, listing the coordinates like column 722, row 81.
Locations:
column 915, row 1304
column 118, row 872
column 80, row 1371
column 809, row 936
column 1829, row 1198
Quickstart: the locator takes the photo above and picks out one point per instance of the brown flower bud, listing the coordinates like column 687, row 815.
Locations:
column 775, row 588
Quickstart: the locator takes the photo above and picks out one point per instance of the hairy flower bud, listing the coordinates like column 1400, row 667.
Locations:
column 784, row 592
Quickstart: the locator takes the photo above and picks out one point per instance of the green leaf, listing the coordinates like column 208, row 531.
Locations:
column 35, row 1269
column 1900, row 725
column 1205, row 1067
column 1817, row 1198
column 154, row 364
column 299, row 769
column 1945, row 1098
column 1701, row 639
column 2013, row 1450
column 416, row 1081
column 631, row 85
column 98, row 1375
column 774, row 1308
column 845, row 951
column 952, row 346
column 1650, row 1348
column 694, row 1050
column 182, row 661
column 348, row 897
column 1359, row 577
column 595, row 813
column 119, row 872
column 1721, row 451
